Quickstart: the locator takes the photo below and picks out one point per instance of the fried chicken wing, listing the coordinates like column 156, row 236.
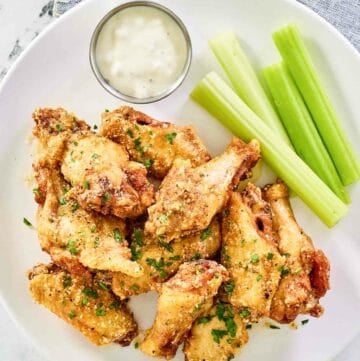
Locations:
column 189, row 197
column 74, row 237
column 160, row 261
column 306, row 274
column 85, row 304
column 102, row 177
column 155, row 144
column 250, row 253
column 218, row 335
column 182, row 300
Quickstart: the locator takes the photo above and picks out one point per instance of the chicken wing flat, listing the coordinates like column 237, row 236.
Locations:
column 85, row 304
column 189, row 197
column 102, row 177
column 76, row 238
column 155, row 144
column 183, row 298
column 161, row 261
column 250, row 253
column 218, row 335
column 305, row 277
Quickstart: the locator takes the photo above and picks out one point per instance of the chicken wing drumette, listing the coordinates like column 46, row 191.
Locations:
column 189, row 197
column 83, row 302
column 102, row 177
column 250, row 253
column 305, row 276
column 183, row 298
column 153, row 143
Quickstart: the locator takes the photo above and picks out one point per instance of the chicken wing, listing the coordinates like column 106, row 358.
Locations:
column 153, row 143
column 102, row 177
column 85, row 304
column 305, row 277
column 218, row 335
column 161, row 261
column 189, row 197
column 250, row 253
column 183, row 298
column 76, row 238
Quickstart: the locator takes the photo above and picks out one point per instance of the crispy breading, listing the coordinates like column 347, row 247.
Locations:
column 84, row 303
column 250, row 253
column 75, row 237
column 218, row 335
column 189, row 197
column 182, row 300
column 306, row 275
column 155, row 144
column 160, row 261
column 102, row 177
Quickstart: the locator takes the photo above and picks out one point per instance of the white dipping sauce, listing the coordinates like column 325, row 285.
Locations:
column 141, row 51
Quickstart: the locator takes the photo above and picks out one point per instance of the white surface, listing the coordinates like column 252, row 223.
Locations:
column 32, row 86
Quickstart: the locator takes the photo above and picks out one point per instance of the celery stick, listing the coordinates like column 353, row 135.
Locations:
column 238, row 68
column 301, row 128
column 221, row 101
column 292, row 48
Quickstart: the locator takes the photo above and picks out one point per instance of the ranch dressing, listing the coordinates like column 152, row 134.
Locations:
column 141, row 51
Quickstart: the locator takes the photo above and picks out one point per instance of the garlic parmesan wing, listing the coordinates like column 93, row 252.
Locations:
column 99, row 171
column 306, row 273
column 218, row 335
column 182, row 300
column 155, row 144
column 84, row 303
column 189, row 197
column 250, row 253
column 160, row 261
column 76, row 238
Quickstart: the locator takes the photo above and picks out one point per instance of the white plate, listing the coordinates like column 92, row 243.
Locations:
column 55, row 71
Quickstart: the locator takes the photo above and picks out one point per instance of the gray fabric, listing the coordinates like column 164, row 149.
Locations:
column 343, row 14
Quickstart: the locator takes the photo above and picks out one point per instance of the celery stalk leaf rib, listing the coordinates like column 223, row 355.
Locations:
column 297, row 58
column 220, row 100
column 301, row 128
column 243, row 78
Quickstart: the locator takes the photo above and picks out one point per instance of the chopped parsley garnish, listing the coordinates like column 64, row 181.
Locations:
column 138, row 242
column 135, row 253
column 231, row 356
column 217, row 335
column 138, row 147
column 196, row 256
column 59, row 127
column 67, row 281
column 205, row 234
column 100, row 312
column 269, row 256
column 248, row 326
column 224, row 313
column 103, row 286
column 75, row 206
column 229, row 287
column 95, row 156
column 167, row 246
column 304, row 322
column 158, row 265
column 105, row 198
column 95, row 126
column 93, row 228
column 75, row 143
column 298, row 271
column 245, row 313
column 107, row 110
column 175, row 258
column 62, row 201
column 148, row 163
column 204, row 319
column 259, row 278
column 86, row 184
column 274, row 327
column 36, row 191
column 136, row 345
column 84, row 301
column 96, row 242
column 71, row 247
column 170, row 137
column 72, row 314
column 115, row 305
column 89, row 292
column 135, row 287
column 163, row 218
column 254, row 258
column 130, row 133
column 138, row 236
column 284, row 271
column 117, row 235
column 27, row 222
